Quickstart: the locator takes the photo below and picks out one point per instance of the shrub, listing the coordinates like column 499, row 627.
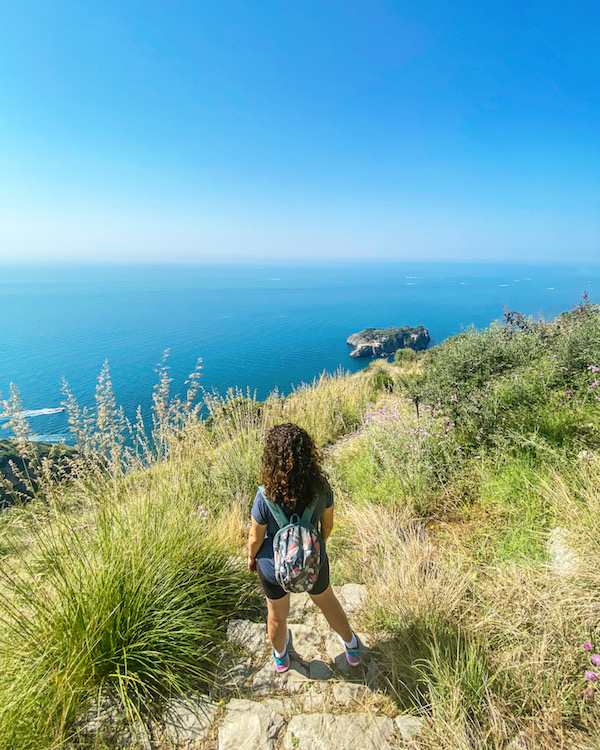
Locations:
column 132, row 604
column 405, row 355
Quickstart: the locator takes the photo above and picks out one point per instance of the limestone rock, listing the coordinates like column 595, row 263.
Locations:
column 188, row 720
column 333, row 647
column 250, row 726
column 353, row 596
column 382, row 342
column 267, row 680
column 108, row 721
column 234, row 673
column 344, row 732
column 304, row 642
column 300, row 606
column 562, row 556
column 345, row 693
column 249, row 635
column 318, row 670
column 409, row 727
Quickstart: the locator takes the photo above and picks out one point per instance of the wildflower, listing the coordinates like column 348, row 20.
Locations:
column 454, row 397
column 590, row 675
column 477, row 457
column 589, row 693
column 595, row 659
column 588, row 646
column 594, row 368
column 595, row 383
column 365, row 559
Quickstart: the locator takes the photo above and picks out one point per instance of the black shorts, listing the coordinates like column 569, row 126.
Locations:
column 274, row 590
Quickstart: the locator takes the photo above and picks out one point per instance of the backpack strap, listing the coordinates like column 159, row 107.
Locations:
column 308, row 514
column 278, row 514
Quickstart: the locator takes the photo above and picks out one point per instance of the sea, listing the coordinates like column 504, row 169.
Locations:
column 255, row 327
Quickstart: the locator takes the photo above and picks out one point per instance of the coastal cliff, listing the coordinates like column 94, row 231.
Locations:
column 383, row 342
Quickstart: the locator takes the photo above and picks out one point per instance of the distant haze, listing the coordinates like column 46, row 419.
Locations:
column 164, row 132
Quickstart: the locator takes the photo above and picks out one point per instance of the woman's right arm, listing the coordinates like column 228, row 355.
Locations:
column 327, row 522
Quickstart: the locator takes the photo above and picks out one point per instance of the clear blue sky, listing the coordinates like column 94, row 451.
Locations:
column 175, row 131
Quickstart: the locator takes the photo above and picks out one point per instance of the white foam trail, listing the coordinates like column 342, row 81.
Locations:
column 502, row 284
column 34, row 412
column 549, row 288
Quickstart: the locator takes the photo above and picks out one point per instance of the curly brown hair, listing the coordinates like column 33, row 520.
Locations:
column 291, row 467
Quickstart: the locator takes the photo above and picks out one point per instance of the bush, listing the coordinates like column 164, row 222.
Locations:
column 132, row 604
column 405, row 355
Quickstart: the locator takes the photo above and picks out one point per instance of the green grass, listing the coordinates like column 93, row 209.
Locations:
column 133, row 605
column 454, row 467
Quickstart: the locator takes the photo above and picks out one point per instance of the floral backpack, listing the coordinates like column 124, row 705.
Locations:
column 296, row 549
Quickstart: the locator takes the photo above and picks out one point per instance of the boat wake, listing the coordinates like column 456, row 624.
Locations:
column 27, row 413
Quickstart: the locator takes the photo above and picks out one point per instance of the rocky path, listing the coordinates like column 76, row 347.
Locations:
column 321, row 703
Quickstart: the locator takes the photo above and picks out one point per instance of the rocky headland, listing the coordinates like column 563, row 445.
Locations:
column 384, row 342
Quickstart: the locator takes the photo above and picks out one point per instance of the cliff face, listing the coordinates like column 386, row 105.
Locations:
column 383, row 342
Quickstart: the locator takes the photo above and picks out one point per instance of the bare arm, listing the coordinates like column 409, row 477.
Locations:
column 255, row 540
column 327, row 522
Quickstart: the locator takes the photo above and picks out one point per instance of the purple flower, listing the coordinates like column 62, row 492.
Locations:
column 589, row 693
column 588, row 646
column 595, row 660
column 594, row 368
column 590, row 675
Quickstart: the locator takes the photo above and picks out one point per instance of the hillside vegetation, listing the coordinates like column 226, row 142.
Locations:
column 467, row 484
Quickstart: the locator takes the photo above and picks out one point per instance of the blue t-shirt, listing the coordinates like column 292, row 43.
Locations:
column 263, row 516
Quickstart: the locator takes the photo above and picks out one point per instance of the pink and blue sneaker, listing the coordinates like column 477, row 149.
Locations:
column 282, row 663
column 353, row 656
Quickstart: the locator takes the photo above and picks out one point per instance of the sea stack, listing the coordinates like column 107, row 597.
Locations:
column 384, row 342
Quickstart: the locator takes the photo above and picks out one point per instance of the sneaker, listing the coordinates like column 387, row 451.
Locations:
column 353, row 656
column 282, row 664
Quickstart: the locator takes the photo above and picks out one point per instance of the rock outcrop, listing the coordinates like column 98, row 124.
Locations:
column 320, row 704
column 384, row 342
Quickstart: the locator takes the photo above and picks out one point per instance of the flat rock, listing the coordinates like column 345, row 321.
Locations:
column 305, row 642
column 343, row 732
column 333, row 647
column 313, row 701
column 109, row 720
column 300, row 606
column 318, row 670
column 353, row 596
column 248, row 725
column 562, row 556
column 251, row 636
column 234, row 673
column 267, row 680
column 188, row 720
column 346, row 692
column 409, row 727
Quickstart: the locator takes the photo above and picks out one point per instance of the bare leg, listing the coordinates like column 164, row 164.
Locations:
column 278, row 610
column 329, row 605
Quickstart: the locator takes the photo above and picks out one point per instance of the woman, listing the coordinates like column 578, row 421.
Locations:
column 292, row 478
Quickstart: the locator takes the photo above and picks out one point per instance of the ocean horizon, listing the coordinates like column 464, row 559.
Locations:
column 256, row 327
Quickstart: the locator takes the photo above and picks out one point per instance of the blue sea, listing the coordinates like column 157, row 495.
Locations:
column 254, row 326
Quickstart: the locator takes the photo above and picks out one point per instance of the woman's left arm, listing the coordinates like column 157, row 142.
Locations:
column 255, row 540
